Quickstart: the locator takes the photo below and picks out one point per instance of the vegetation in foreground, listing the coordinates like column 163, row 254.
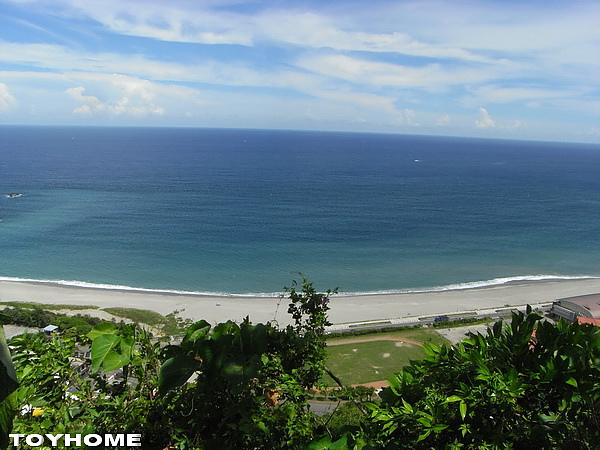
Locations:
column 248, row 385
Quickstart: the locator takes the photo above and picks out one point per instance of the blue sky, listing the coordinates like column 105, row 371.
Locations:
column 525, row 69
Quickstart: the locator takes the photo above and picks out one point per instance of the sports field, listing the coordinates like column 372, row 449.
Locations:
column 375, row 357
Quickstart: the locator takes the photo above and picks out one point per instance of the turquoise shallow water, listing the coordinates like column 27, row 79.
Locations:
column 242, row 211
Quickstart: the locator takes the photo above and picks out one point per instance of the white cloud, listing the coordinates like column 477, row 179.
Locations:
column 407, row 117
column 515, row 125
column 500, row 95
column 318, row 31
column 62, row 59
column 204, row 23
column 485, row 121
column 443, row 121
column 136, row 99
column 6, row 99
column 378, row 102
column 432, row 77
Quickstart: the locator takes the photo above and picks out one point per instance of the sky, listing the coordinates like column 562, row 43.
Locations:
column 514, row 69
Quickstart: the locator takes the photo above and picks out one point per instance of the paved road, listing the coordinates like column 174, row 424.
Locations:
column 320, row 408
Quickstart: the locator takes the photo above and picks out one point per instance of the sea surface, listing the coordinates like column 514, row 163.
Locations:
column 245, row 211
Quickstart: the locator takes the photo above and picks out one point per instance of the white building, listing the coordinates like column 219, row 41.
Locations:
column 582, row 306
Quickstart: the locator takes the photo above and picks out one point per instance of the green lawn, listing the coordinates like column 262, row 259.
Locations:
column 376, row 360
column 47, row 306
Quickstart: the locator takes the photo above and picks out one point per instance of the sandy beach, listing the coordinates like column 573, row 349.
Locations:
column 344, row 309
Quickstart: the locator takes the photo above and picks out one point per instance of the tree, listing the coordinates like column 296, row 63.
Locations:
column 251, row 380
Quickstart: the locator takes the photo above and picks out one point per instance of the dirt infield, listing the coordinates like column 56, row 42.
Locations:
column 358, row 340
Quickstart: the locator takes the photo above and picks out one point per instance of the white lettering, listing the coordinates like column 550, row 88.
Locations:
column 133, row 440
column 116, row 440
column 34, row 440
column 76, row 439
column 93, row 440
column 15, row 438
column 54, row 439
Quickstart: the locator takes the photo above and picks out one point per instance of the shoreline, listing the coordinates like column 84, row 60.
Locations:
column 344, row 308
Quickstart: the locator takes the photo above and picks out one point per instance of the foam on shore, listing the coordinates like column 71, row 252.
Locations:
column 450, row 287
column 344, row 308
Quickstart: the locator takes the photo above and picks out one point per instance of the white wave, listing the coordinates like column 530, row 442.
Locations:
column 450, row 287
column 117, row 287
column 478, row 284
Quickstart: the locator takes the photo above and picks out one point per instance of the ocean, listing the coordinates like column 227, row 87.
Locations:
column 245, row 211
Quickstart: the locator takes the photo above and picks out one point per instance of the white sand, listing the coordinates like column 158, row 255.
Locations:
column 343, row 309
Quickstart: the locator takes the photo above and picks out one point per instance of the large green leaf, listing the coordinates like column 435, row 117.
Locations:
column 102, row 328
column 8, row 384
column 113, row 361
column 8, row 410
column 102, row 346
column 225, row 328
column 8, row 377
column 127, row 345
column 253, row 338
column 176, row 371
column 197, row 331
column 240, row 372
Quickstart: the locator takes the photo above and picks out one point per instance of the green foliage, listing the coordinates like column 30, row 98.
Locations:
column 231, row 385
column 499, row 390
column 305, row 340
column 455, row 323
column 8, row 384
column 347, row 415
column 40, row 315
column 250, row 380
column 47, row 306
column 47, row 380
column 59, row 394
column 401, row 328
column 39, row 318
column 111, row 348
column 8, row 377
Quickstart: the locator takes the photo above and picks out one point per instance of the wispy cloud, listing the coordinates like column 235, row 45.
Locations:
column 367, row 64
column 6, row 99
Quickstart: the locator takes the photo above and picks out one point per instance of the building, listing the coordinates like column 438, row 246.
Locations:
column 587, row 306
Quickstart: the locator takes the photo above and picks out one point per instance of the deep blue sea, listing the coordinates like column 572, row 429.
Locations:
column 243, row 211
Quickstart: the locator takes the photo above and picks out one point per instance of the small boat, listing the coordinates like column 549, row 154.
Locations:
column 13, row 195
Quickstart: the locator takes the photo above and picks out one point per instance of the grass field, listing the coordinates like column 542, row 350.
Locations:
column 46, row 306
column 377, row 356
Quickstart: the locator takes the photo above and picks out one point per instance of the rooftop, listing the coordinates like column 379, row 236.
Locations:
column 591, row 302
